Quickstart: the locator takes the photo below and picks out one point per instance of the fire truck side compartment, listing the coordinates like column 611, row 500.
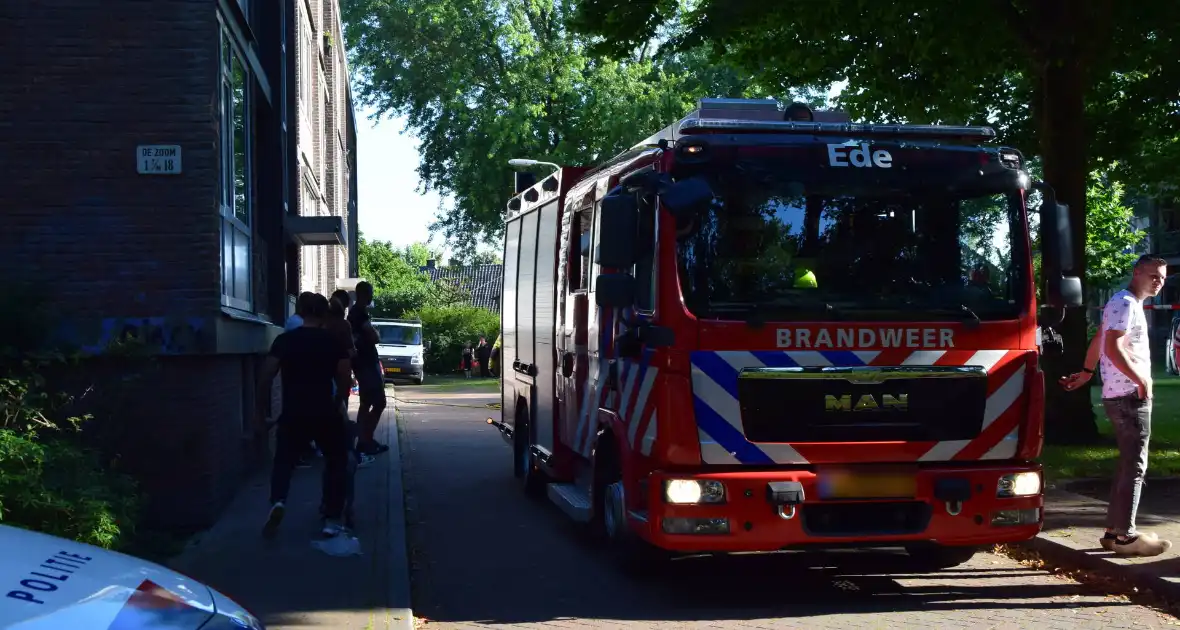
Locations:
column 508, row 346
column 545, row 322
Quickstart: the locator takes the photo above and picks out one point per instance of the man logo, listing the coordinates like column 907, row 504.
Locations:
column 867, row 402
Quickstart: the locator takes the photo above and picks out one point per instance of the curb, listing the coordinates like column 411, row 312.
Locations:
column 1067, row 554
column 401, row 607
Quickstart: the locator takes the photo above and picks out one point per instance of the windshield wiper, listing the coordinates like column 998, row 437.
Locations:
column 756, row 313
column 962, row 310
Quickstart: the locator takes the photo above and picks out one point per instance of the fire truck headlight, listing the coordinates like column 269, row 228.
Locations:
column 692, row 491
column 1025, row 484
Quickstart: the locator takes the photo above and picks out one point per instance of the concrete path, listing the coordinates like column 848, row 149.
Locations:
column 484, row 555
column 1073, row 525
column 289, row 584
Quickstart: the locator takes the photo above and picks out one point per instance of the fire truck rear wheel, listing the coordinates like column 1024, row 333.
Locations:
column 524, row 465
column 936, row 557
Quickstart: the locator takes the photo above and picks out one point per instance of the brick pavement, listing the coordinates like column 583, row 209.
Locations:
column 287, row 583
column 1073, row 525
column 485, row 556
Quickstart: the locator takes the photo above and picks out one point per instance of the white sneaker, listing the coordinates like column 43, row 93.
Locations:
column 1145, row 545
column 1108, row 543
column 274, row 519
column 331, row 528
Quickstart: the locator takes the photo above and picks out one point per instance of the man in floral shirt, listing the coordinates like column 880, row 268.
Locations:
column 1120, row 350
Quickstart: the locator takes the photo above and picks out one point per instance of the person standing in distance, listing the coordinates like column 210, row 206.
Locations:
column 1120, row 350
column 367, row 368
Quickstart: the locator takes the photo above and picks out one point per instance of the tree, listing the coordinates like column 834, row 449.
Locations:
column 379, row 263
column 487, row 258
column 1110, row 236
column 417, row 254
column 1069, row 81
column 398, row 284
column 484, row 81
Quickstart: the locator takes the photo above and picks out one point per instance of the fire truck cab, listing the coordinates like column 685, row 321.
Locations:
column 762, row 329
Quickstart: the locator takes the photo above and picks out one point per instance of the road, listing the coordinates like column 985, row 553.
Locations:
column 484, row 555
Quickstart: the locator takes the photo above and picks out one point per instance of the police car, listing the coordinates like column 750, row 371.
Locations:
column 54, row 583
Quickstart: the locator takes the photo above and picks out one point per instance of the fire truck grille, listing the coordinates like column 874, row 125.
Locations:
column 876, row 404
column 866, row 519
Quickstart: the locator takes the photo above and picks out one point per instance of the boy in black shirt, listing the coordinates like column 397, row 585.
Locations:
column 366, row 366
column 310, row 359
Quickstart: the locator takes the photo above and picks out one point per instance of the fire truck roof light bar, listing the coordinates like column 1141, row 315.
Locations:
column 827, row 128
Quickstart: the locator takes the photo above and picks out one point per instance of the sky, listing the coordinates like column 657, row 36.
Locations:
column 389, row 204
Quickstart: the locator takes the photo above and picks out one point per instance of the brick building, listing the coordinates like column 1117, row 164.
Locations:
column 176, row 171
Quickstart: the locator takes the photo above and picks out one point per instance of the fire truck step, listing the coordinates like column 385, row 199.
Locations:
column 572, row 500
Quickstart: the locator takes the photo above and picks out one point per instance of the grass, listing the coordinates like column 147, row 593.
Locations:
column 1076, row 462
column 451, row 383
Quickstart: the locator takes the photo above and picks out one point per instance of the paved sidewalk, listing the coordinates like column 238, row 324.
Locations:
column 1073, row 525
column 288, row 583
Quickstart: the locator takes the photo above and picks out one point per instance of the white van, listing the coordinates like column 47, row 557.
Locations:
column 401, row 349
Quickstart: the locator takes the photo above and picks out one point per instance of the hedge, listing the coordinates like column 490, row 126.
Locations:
column 448, row 328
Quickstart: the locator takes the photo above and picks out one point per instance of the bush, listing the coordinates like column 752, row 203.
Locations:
column 448, row 328
column 49, row 481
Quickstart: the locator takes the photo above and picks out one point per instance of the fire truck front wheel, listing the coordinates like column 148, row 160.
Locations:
column 524, row 464
column 933, row 557
column 633, row 554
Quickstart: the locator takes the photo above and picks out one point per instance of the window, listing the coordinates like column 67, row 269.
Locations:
column 783, row 245
column 309, row 51
column 236, row 178
column 310, row 266
column 645, row 268
column 580, row 252
column 321, row 131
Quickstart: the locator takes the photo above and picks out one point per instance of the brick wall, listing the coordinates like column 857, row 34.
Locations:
column 91, row 80
column 94, row 80
column 179, row 425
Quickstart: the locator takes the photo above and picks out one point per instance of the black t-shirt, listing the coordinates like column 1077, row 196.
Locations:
column 366, row 351
column 307, row 359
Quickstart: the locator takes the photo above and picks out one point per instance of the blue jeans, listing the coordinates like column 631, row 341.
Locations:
column 1131, row 418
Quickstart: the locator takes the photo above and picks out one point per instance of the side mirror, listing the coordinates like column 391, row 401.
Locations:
column 618, row 223
column 426, row 345
column 1061, row 291
column 614, row 290
column 686, row 197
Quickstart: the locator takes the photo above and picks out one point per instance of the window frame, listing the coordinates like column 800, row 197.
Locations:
column 581, row 259
column 231, row 226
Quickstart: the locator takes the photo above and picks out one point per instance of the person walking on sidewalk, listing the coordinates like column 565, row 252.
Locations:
column 1120, row 350
column 367, row 368
column 309, row 358
column 338, row 325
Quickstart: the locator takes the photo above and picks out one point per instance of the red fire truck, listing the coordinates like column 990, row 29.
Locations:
column 763, row 329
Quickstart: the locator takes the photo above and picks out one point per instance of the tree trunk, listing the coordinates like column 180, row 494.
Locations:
column 1059, row 108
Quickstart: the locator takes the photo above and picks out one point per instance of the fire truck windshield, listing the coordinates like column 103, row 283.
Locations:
column 784, row 250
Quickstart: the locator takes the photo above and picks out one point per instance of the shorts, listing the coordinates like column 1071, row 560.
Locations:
column 370, row 383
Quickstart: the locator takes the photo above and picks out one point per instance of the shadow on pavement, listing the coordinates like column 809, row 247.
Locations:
column 534, row 585
column 482, row 553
